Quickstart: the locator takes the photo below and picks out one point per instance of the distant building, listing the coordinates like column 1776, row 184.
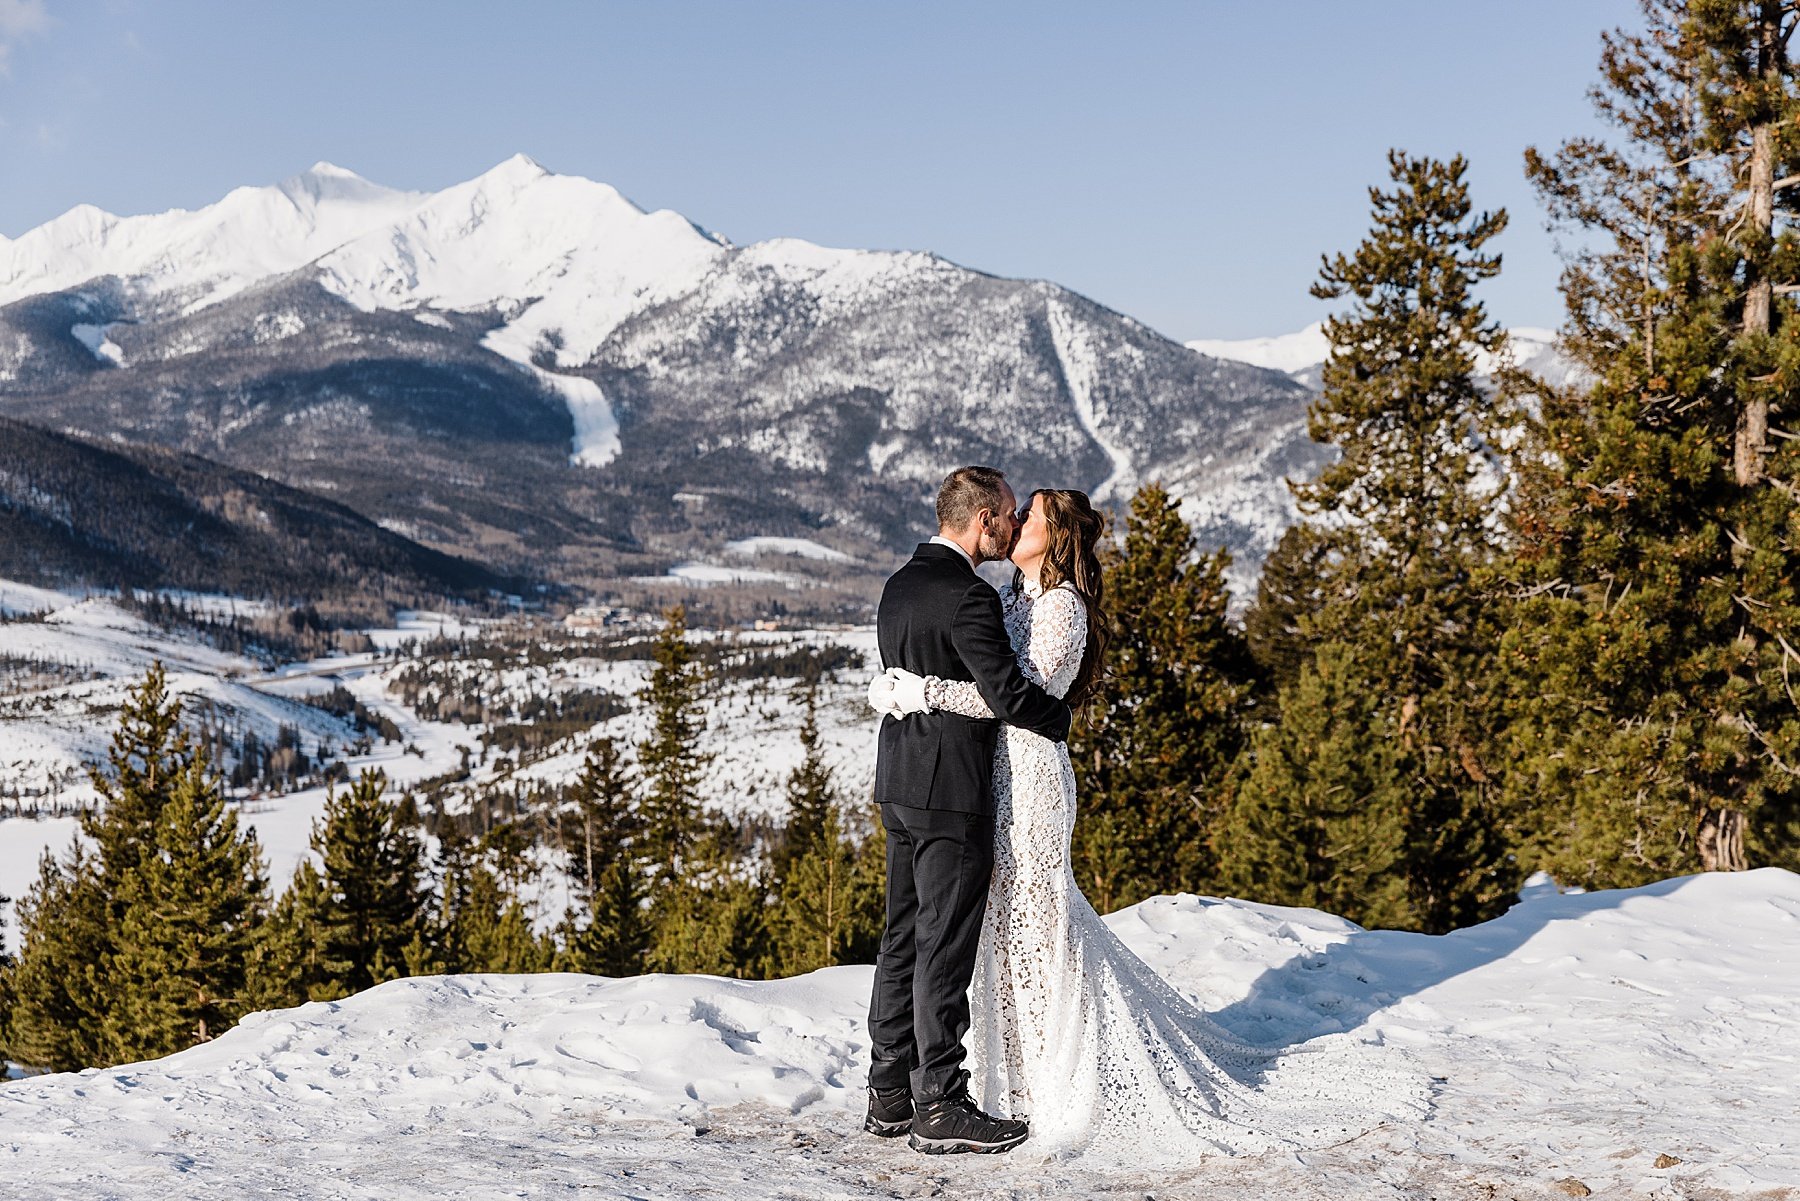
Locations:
column 594, row 617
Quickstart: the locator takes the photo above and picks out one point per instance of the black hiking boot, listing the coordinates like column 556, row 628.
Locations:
column 890, row 1112
column 951, row 1124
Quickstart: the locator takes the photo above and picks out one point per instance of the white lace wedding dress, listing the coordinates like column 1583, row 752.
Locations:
column 1073, row 1031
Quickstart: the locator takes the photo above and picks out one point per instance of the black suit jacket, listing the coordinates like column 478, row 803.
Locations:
column 938, row 618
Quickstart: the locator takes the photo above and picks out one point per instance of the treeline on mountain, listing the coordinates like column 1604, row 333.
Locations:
column 76, row 513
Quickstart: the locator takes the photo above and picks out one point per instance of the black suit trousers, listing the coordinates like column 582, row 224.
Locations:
column 938, row 867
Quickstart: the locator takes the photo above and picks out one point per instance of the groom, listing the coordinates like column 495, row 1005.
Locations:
column 934, row 782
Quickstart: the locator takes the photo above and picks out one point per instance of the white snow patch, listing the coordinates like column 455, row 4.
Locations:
column 99, row 345
column 596, row 439
column 1284, row 352
column 17, row 598
column 1081, row 370
column 275, row 327
column 711, row 573
column 806, row 548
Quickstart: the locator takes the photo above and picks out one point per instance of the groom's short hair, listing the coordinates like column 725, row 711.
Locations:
column 966, row 492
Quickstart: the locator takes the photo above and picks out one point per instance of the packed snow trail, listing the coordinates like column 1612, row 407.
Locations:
column 1579, row 1038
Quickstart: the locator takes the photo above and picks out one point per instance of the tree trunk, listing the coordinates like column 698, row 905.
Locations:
column 1721, row 841
column 1759, row 215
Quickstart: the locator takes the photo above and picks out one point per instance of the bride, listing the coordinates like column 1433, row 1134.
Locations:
column 1067, row 1026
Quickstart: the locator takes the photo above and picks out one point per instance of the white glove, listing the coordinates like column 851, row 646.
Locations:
column 881, row 695
column 908, row 695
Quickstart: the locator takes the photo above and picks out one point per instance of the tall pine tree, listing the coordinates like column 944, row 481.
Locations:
column 62, row 987
column 148, row 752
column 830, row 904
column 57, row 986
column 191, row 912
column 601, row 821
column 670, row 761
column 494, row 931
column 371, row 902
column 1404, row 607
column 284, row 962
column 1325, row 811
column 713, row 916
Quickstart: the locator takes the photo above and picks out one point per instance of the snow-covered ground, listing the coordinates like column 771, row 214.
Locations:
column 1578, row 1038
column 50, row 735
column 28, row 598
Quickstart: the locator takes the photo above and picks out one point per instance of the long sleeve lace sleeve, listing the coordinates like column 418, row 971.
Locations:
column 956, row 696
column 1058, row 636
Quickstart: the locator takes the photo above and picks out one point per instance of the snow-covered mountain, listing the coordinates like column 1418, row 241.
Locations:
column 198, row 258
column 1630, row 1044
column 440, row 361
column 1301, row 355
column 1290, row 354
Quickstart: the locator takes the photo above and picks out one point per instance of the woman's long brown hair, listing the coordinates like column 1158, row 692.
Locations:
column 1071, row 552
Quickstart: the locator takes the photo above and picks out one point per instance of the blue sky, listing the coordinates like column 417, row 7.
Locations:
column 1186, row 163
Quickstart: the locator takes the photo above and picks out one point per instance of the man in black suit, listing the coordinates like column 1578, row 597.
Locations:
column 934, row 783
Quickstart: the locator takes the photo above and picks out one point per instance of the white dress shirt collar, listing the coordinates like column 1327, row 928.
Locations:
column 943, row 541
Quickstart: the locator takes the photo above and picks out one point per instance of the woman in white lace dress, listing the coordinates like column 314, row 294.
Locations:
column 1068, row 1027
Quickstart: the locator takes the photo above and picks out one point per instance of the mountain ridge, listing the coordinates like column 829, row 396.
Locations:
column 581, row 364
column 122, row 515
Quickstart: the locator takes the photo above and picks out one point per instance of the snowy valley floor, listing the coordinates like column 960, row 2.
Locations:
column 1578, row 1037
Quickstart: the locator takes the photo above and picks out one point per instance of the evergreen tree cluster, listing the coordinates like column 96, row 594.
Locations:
column 157, row 929
column 1518, row 627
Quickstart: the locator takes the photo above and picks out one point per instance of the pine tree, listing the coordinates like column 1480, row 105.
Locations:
column 1288, row 591
column 617, row 933
column 1654, row 645
column 57, row 987
column 611, row 934
column 1152, row 754
column 1323, row 815
column 831, row 904
column 62, row 983
column 372, row 899
column 148, row 752
column 604, row 826
column 191, row 912
column 6, row 984
column 828, row 909
column 1397, row 560
column 284, row 962
column 494, row 931
column 811, row 798
column 670, row 760
column 453, row 869
column 713, row 916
